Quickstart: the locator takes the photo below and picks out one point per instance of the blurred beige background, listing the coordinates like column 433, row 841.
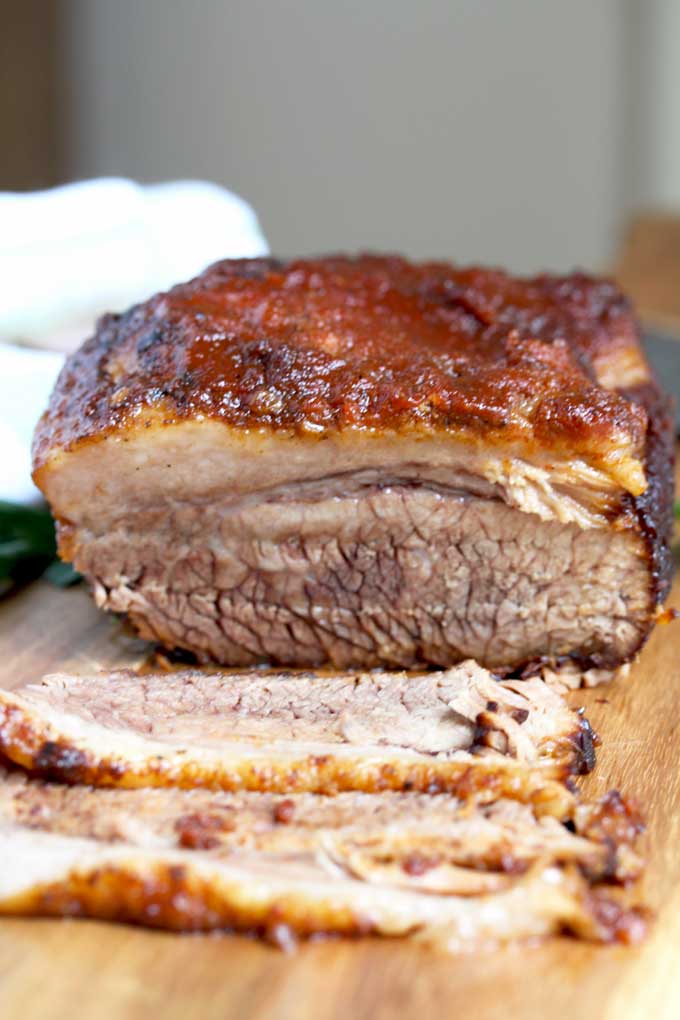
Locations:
column 520, row 132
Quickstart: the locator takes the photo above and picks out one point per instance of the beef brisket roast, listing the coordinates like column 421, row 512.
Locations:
column 459, row 730
column 388, row 863
column 368, row 462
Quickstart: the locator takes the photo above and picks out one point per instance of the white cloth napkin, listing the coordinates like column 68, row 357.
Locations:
column 71, row 253
column 26, row 380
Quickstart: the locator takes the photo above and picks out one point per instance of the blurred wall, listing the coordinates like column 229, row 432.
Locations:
column 654, row 70
column 491, row 130
column 30, row 142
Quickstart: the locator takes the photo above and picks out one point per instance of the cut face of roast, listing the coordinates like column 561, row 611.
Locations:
column 459, row 730
column 459, row 874
column 365, row 462
column 382, row 572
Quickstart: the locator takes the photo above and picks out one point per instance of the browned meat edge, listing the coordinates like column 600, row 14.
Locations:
column 653, row 512
column 172, row 896
column 654, row 508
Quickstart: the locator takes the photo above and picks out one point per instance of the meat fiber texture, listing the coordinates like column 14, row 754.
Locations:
column 367, row 462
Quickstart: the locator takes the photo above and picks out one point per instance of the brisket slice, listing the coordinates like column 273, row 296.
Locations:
column 368, row 462
column 388, row 863
column 460, row 730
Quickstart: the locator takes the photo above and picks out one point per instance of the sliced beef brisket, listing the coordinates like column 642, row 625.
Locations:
column 460, row 730
column 392, row 864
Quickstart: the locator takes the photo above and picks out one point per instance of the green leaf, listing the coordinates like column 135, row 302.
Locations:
column 62, row 574
column 14, row 548
column 28, row 547
column 676, row 509
column 30, row 525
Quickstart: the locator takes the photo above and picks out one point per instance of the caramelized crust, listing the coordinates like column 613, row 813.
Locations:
column 369, row 343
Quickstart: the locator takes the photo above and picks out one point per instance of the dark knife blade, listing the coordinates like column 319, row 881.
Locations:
column 664, row 354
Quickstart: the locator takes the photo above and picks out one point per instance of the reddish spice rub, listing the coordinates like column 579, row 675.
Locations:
column 372, row 342
column 284, row 812
column 200, row 831
column 417, row 863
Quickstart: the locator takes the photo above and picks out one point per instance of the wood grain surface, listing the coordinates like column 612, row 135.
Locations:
column 67, row 969
column 648, row 269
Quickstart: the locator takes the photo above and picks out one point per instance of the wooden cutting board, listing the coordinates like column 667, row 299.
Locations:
column 56, row 970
